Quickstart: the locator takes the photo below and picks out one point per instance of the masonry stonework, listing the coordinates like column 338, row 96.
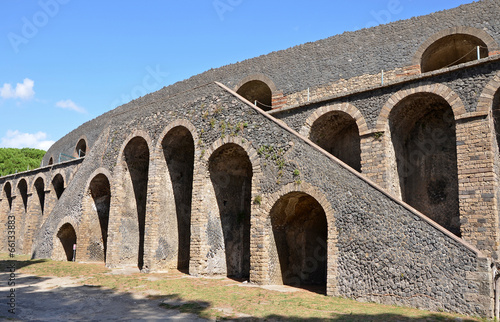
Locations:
column 296, row 173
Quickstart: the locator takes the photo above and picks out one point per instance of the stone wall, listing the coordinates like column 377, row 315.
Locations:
column 468, row 92
column 32, row 206
column 193, row 177
column 375, row 248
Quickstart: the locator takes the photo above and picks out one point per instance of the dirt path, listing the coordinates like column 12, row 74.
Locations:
column 67, row 299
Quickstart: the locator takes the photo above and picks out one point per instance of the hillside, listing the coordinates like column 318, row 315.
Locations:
column 12, row 160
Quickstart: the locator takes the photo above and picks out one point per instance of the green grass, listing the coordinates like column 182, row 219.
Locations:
column 223, row 298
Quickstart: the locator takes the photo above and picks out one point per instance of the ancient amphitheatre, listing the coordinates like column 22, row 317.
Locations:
column 366, row 163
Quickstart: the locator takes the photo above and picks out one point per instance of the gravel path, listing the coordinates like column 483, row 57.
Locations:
column 67, row 299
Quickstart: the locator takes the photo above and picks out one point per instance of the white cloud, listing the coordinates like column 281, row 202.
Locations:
column 70, row 105
column 16, row 139
column 23, row 91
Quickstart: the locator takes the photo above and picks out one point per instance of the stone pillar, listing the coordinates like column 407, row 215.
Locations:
column 18, row 212
column 199, row 219
column 278, row 100
column 377, row 163
column 33, row 223
column 161, row 217
column 50, row 203
column 477, row 184
column 4, row 214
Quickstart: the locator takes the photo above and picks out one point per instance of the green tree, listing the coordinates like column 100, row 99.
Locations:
column 12, row 160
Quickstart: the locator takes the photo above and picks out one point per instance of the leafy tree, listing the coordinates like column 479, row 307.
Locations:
column 12, row 160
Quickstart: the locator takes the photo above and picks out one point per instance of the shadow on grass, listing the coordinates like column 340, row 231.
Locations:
column 50, row 301
column 5, row 264
column 175, row 302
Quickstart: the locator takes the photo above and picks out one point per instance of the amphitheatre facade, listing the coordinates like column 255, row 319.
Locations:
column 366, row 163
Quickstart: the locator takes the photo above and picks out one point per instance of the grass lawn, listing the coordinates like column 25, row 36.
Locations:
column 222, row 298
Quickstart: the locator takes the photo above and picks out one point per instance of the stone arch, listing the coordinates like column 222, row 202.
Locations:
column 65, row 237
column 22, row 188
column 176, row 149
column 438, row 89
column 96, row 208
column 39, row 188
column 453, row 46
column 215, row 177
column 58, row 184
column 7, row 192
column 128, row 208
column 422, row 130
column 489, row 104
column 231, row 174
column 487, row 97
column 337, row 129
column 81, row 147
column 257, row 87
column 302, row 238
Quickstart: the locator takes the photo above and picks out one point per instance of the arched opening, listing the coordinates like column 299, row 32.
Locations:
column 178, row 150
column 496, row 116
column 257, row 91
column 51, row 161
column 22, row 186
column 81, row 148
column 67, row 237
column 423, row 136
column 136, row 157
column 7, row 188
column 231, row 176
column 58, row 185
column 101, row 195
column 300, row 236
column 452, row 50
column 40, row 191
column 338, row 133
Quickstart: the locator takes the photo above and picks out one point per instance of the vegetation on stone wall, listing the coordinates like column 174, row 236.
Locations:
column 12, row 160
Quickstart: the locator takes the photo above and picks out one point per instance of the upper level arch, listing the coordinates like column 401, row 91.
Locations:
column 258, row 89
column 336, row 129
column 453, row 46
column 486, row 98
column 344, row 107
column 440, row 90
column 81, row 147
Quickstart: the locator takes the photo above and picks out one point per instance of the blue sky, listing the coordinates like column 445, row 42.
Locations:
column 64, row 62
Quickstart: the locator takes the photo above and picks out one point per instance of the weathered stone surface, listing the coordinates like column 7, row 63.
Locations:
column 194, row 177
